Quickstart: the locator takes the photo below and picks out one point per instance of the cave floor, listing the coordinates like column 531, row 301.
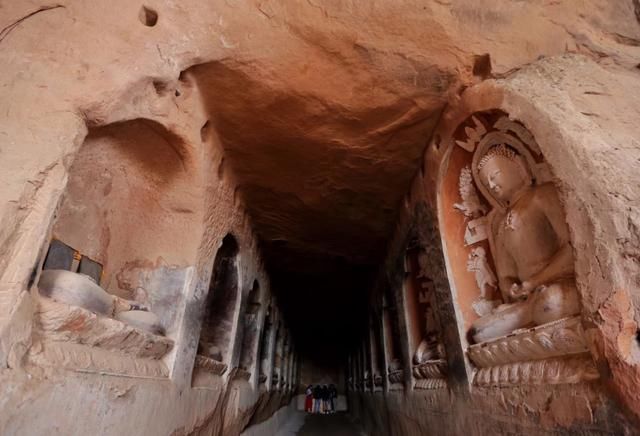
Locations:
column 328, row 425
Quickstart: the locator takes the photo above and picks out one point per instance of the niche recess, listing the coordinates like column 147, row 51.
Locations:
column 250, row 341
column 377, row 355
column 127, row 220
column 214, row 348
column 368, row 377
column 471, row 218
column 265, row 346
column 131, row 206
column 277, row 357
column 393, row 351
column 416, row 312
column 425, row 343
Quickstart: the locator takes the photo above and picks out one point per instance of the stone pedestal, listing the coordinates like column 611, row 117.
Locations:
column 430, row 374
column 552, row 353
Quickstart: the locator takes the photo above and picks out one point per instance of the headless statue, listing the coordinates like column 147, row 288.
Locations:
column 82, row 291
column 529, row 241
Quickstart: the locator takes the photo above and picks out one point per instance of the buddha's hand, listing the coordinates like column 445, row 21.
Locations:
column 520, row 291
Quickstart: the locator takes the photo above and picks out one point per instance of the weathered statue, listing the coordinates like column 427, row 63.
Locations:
column 529, row 240
column 429, row 348
column 81, row 290
column 395, row 364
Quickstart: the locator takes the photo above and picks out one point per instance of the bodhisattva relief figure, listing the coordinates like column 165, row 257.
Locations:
column 529, row 240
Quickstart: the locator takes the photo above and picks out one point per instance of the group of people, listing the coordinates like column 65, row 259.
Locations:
column 321, row 399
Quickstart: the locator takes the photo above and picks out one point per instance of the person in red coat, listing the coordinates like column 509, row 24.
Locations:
column 308, row 401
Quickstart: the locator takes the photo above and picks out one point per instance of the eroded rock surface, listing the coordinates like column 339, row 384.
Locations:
column 300, row 125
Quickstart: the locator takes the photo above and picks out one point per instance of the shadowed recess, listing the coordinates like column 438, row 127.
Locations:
column 322, row 178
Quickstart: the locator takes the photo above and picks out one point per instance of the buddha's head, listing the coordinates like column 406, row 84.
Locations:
column 503, row 172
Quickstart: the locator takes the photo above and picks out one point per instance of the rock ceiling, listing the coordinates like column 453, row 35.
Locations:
column 323, row 165
column 325, row 119
column 323, row 107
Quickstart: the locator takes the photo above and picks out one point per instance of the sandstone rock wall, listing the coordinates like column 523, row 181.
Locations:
column 132, row 176
column 352, row 90
column 583, row 141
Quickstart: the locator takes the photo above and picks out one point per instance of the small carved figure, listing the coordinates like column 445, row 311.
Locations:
column 476, row 231
column 209, row 350
column 395, row 365
column 471, row 205
column 485, row 278
column 429, row 349
column 529, row 240
column 423, row 265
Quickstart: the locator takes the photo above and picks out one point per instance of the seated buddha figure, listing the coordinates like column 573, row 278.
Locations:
column 529, row 240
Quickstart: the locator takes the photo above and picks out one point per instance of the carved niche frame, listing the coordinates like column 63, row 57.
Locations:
column 559, row 352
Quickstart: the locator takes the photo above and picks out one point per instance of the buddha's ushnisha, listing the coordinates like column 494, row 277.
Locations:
column 529, row 241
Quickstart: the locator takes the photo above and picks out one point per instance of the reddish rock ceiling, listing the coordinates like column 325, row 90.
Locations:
column 324, row 111
column 322, row 178
column 322, row 171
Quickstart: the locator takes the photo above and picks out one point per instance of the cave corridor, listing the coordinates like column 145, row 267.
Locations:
column 269, row 217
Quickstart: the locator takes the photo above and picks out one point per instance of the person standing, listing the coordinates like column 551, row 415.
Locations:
column 333, row 397
column 308, row 401
column 317, row 399
column 325, row 399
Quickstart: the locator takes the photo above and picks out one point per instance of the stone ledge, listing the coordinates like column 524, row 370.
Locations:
column 431, row 369
column 396, row 376
column 59, row 322
column 572, row 369
column 83, row 358
column 377, row 380
column 240, row 374
column 558, row 338
column 430, row 383
column 210, row 365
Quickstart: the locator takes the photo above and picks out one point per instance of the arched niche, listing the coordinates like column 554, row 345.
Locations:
column 357, row 373
column 284, row 361
column 377, row 353
column 392, row 338
column 221, row 303
column 130, row 214
column 266, row 337
column 508, row 247
column 464, row 223
column 250, row 343
column 276, row 359
column 417, row 304
column 368, row 363
column 425, row 337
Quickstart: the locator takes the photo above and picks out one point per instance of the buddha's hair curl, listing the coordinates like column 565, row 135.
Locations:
column 501, row 151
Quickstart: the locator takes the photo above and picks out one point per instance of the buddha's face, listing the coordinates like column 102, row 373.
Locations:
column 503, row 177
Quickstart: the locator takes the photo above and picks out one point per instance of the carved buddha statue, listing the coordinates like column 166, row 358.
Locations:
column 81, row 290
column 529, row 240
column 429, row 348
